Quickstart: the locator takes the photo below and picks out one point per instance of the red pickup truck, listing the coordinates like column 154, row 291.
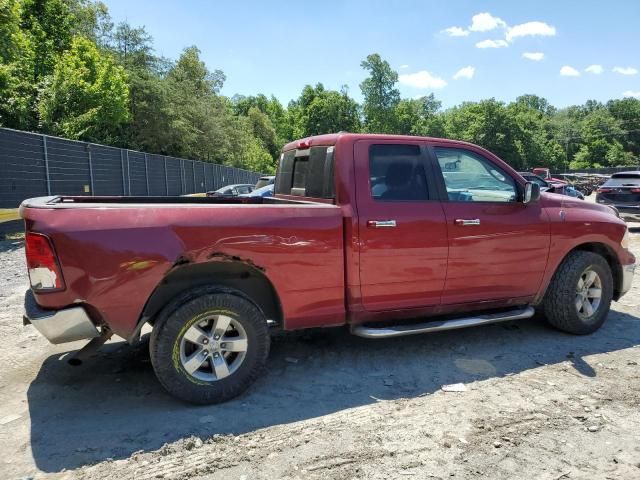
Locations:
column 391, row 235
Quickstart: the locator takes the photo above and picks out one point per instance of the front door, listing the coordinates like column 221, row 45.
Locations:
column 498, row 245
column 402, row 229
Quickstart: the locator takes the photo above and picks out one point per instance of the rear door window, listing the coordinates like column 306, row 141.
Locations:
column 396, row 173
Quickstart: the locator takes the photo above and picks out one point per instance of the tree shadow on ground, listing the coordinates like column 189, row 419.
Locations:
column 113, row 406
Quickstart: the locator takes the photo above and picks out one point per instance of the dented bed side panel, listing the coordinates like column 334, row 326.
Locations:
column 113, row 258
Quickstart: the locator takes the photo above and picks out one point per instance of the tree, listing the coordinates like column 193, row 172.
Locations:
column 381, row 97
column 319, row 111
column 86, row 97
column 16, row 66
column 50, row 25
column 420, row 116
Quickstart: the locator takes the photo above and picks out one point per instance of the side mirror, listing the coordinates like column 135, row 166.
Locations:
column 531, row 192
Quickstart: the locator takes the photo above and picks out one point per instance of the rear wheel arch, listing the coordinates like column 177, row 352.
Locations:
column 238, row 276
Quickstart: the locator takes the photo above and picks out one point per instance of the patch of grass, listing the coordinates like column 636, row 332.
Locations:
column 14, row 236
column 8, row 214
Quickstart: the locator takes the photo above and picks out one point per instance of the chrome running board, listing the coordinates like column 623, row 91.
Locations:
column 440, row 325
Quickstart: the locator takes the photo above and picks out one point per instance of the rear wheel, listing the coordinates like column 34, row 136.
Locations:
column 579, row 296
column 209, row 345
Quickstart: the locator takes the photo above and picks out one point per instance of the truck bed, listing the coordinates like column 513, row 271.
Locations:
column 115, row 251
column 93, row 201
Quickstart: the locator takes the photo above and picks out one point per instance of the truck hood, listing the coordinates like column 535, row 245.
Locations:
column 566, row 202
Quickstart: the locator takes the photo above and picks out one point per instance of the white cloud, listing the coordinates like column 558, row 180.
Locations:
column 404, row 66
column 535, row 56
column 595, row 69
column 568, row 71
column 531, row 29
column 423, row 80
column 492, row 44
column 632, row 93
column 456, row 32
column 483, row 22
column 626, row 70
column 465, row 72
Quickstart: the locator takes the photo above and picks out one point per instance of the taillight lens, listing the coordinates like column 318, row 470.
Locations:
column 44, row 270
column 635, row 190
column 603, row 190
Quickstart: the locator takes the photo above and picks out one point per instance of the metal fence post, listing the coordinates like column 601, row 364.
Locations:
column 193, row 170
column 90, row 170
column 124, row 182
column 182, row 176
column 126, row 152
column 46, row 164
column 146, row 172
column 166, row 179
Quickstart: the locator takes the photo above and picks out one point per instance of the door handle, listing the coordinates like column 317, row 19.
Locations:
column 466, row 222
column 381, row 223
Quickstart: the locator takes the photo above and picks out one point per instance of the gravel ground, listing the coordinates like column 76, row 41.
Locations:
column 537, row 404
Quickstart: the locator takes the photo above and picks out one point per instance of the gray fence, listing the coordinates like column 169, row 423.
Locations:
column 33, row 165
column 606, row 170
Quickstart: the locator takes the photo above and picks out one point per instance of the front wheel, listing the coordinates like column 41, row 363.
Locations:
column 579, row 296
column 209, row 345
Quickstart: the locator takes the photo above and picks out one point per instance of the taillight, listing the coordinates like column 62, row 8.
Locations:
column 603, row 190
column 635, row 190
column 44, row 271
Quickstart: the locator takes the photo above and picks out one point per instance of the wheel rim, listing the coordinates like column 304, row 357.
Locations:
column 588, row 293
column 213, row 348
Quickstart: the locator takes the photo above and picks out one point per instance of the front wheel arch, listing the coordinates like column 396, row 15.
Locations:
column 604, row 251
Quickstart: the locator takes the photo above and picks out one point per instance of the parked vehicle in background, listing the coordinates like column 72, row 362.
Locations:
column 571, row 191
column 545, row 174
column 232, row 190
column 562, row 189
column 622, row 191
column 265, row 180
column 266, row 191
column 454, row 231
column 531, row 177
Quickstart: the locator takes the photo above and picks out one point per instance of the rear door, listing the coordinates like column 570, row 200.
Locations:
column 402, row 229
column 498, row 246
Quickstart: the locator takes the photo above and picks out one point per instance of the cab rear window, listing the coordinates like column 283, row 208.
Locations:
column 306, row 173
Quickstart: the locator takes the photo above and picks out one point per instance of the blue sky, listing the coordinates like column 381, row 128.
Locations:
column 276, row 47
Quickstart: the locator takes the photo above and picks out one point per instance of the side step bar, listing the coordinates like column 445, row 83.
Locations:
column 440, row 325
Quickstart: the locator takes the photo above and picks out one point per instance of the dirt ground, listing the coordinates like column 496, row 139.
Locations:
column 538, row 404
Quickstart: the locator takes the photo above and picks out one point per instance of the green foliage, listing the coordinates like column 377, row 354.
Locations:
column 86, row 97
column 16, row 66
column 420, row 116
column 381, row 97
column 318, row 111
column 65, row 68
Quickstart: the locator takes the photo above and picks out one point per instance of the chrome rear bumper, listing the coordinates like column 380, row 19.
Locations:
column 627, row 278
column 59, row 326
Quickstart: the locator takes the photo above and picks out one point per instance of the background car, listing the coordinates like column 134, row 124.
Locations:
column 559, row 188
column 232, row 190
column 266, row 191
column 265, row 180
column 622, row 191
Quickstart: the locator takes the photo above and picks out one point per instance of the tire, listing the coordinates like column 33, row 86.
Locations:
column 184, row 336
column 561, row 304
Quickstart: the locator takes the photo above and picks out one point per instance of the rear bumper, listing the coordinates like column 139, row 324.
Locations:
column 59, row 326
column 627, row 278
column 628, row 212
